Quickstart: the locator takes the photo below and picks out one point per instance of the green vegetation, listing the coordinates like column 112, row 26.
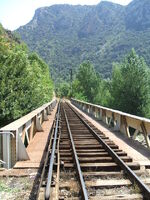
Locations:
column 25, row 82
column 62, row 89
column 128, row 90
column 15, row 188
column 65, row 36
column 131, row 86
column 89, row 85
column 6, row 188
column 87, row 82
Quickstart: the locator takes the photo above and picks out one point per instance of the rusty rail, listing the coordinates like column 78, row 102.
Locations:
column 82, row 183
column 51, row 162
column 131, row 175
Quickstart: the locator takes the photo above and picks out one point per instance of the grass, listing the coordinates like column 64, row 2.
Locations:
column 4, row 187
column 15, row 188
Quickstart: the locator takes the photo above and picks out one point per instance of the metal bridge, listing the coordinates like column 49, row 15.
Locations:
column 81, row 146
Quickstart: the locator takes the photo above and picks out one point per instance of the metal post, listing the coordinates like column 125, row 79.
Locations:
column 6, row 148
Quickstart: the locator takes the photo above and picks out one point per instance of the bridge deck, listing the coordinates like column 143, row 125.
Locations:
column 36, row 147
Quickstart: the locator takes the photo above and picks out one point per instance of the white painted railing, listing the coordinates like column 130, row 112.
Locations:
column 119, row 120
column 23, row 130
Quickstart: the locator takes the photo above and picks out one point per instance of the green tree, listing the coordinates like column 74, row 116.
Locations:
column 86, row 82
column 42, row 86
column 130, row 86
column 89, row 86
column 103, row 96
column 78, row 91
column 62, row 89
column 25, row 82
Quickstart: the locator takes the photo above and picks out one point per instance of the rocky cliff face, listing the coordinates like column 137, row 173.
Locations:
column 66, row 35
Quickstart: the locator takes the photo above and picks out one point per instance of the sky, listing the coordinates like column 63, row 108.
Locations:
column 15, row 13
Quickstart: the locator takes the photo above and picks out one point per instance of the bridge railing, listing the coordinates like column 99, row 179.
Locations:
column 126, row 123
column 15, row 137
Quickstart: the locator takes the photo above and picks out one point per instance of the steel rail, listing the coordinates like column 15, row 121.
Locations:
column 58, row 170
column 131, row 175
column 51, row 163
column 82, row 183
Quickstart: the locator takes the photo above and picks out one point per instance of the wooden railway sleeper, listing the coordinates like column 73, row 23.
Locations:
column 131, row 175
column 82, row 183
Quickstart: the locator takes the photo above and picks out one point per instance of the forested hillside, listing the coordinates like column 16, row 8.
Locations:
column 66, row 35
column 25, row 82
column 128, row 90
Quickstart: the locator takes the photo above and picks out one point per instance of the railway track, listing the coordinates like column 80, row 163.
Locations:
column 82, row 163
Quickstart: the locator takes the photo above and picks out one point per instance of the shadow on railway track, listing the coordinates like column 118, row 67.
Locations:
column 35, row 187
column 132, row 143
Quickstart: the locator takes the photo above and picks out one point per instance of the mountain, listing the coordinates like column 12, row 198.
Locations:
column 138, row 15
column 66, row 35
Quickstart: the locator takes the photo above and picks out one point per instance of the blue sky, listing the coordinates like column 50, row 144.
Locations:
column 14, row 13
